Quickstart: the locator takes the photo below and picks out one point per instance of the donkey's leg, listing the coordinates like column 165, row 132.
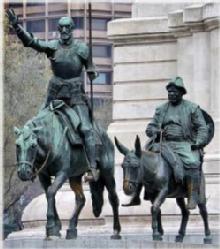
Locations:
column 113, row 199
column 51, row 227
column 76, row 186
column 155, row 211
column 204, row 214
column 185, row 217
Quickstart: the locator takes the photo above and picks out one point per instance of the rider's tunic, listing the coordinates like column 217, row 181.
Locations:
column 184, row 125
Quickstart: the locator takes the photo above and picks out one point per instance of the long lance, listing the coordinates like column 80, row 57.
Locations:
column 90, row 59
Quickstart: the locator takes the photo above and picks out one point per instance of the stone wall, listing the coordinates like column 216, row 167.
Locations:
column 148, row 51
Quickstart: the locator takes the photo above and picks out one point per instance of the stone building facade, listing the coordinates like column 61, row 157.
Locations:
column 156, row 44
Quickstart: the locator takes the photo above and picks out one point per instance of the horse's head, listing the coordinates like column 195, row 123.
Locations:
column 26, row 150
column 130, row 165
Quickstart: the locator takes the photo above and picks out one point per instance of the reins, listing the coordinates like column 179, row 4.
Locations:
column 42, row 166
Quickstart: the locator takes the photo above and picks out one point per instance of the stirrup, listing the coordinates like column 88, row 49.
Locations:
column 92, row 176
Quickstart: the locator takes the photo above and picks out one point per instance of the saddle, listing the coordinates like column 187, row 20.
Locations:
column 64, row 112
column 172, row 159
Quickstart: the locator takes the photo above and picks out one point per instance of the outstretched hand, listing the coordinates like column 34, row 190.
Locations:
column 13, row 19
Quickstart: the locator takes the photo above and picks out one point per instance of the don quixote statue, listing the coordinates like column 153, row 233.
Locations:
column 63, row 140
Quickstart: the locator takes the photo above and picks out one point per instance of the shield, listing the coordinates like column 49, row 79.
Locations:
column 210, row 124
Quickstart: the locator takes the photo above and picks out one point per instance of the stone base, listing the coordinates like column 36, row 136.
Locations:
column 99, row 237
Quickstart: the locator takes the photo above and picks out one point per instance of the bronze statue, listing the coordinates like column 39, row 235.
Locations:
column 67, row 57
column 180, row 130
column 44, row 150
column 171, row 165
column 62, row 140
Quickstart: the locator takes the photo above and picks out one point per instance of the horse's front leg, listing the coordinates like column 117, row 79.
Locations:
column 114, row 201
column 76, row 186
column 51, row 228
column 155, row 210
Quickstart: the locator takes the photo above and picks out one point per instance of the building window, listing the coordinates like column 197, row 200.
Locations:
column 99, row 24
column 104, row 78
column 32, row 3
column 15, row 5
column 79, row 22
column 36, row 26
column 52, row 24
column 102, row 51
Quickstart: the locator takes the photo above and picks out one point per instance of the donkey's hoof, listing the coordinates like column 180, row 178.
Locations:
column 179, row 239
column 207, row 240
column 52, row 237
column 71, row 234
column 116, row 236
column 157, row 237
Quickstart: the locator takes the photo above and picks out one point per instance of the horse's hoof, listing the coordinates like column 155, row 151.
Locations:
column 53, row 232
column 53, row 237
column 71, row 233
column 207, row 240
column 157, row 237
column 179, row 239
column 116, row 236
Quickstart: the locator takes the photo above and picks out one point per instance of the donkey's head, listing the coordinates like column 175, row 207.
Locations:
column 26, row 150
column 130, row 165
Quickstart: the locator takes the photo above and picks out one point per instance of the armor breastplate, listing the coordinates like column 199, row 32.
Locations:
column 66, row 63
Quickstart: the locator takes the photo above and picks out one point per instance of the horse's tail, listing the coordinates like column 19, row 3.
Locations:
column 108, row 150
column 96, row 189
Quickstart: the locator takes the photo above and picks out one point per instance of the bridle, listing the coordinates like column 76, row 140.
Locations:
column 31, row 164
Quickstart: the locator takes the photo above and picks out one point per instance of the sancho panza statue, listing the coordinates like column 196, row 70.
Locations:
column 68, row 57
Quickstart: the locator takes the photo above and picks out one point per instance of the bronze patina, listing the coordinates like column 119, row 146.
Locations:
column 62, row 141
column 171, row 165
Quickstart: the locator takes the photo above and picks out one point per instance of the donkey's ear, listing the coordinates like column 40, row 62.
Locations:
column 121, row 147
column 138, row 147
column 17, row 131
column 37, row 129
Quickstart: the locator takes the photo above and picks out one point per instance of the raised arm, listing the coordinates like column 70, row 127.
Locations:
column 27, row 38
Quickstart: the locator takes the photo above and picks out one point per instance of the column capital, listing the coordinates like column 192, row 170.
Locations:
column 139, row 30
column 194, row 18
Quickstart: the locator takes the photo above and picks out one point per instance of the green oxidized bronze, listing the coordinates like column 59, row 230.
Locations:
column 62, row 140
column 171, row 165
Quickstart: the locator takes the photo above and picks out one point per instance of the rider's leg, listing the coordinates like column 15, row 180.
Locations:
column 192, row 184
column 87, row 132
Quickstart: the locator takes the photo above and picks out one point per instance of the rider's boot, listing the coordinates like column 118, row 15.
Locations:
column 94, row 173
column 135, row 200
column 192, row 183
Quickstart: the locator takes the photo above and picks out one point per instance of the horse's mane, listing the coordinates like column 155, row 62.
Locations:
column 40, row 119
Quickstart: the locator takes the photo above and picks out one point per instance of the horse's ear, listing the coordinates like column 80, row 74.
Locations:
column 121, row 147
column 17, row 131
column 138, row 147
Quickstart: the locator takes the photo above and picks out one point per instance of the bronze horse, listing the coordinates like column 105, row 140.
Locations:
column 43, row 150
column 150, row 170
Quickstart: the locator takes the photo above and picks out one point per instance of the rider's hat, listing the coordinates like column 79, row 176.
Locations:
column 177, row 82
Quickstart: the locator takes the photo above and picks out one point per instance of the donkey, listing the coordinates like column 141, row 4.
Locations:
column 150, row 170
column 44, row 150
